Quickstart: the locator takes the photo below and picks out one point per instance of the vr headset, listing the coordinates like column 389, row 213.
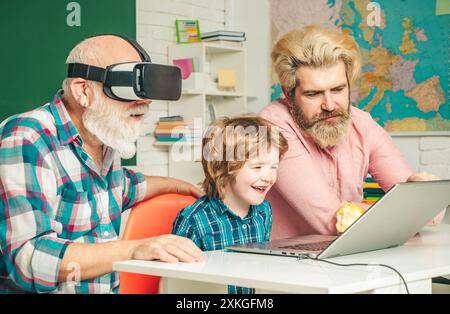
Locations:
column 132, row 81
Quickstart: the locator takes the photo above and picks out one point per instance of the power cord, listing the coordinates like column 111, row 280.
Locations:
column 305, row 256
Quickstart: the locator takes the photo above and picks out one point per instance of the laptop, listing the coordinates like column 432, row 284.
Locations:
column 446, row 219
column 390, row 222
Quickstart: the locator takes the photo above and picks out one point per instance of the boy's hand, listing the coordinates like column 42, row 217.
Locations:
column 167, row 248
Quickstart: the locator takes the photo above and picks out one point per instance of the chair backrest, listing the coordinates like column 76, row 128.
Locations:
column 150, row 218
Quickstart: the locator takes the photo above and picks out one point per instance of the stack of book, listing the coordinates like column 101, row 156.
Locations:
column 170, row 129
column 372, row 191
column 224, row 37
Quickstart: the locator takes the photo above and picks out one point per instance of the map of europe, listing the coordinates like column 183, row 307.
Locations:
column 404, row 81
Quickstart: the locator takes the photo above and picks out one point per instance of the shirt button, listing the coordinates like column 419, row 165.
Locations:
column 244, row 226
column 106, row 233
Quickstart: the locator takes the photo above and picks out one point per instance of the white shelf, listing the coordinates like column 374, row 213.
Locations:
column 192, row 92
column 211, row 93
column 193, row 105
column 225, row 94
column 213, row 47
column 184, row 143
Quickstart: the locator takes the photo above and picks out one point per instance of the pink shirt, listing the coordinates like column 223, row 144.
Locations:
column 312, row 182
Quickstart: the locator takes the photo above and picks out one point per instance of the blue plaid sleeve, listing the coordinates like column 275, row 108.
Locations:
column 184, row 227
column 135, row 188
column 268, row 222
column 31, row 251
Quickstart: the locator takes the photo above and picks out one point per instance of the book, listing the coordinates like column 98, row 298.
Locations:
column 225, row 38
column 170, row 139
column 178, row 118
column 369, row 202
column 372, row 196
column 188, row 31
column 168, row 131
column 373, row 191
column 223, row 33
column 171, row 123
column 157, row 135
column 371, row 185
column 212, row 112
column 186, row 66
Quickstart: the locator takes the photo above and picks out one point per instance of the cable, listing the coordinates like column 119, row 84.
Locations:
column 305, row 256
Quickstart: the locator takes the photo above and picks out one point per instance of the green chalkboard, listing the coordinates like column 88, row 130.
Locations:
column 35, row 39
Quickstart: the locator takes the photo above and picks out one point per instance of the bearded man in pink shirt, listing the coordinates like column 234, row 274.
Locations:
column 332, row 145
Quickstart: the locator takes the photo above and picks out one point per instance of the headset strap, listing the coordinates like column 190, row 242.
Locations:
column 93, row 73
column 144, row 55
column 86, row 71
column 141, row 51
column 98, row 74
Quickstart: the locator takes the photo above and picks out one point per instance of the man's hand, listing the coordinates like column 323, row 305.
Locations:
column 423, row 176
column 182, row 187
column 167, row 248
column 163, row 185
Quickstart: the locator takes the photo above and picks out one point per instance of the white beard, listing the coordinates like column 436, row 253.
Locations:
column 112, row 125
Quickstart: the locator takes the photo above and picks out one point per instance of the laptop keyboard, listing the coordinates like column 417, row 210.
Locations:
column 315, row 246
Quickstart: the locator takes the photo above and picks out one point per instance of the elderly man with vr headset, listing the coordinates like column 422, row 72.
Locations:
column 61, row 184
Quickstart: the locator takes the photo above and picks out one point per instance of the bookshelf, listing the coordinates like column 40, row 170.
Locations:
column 193, row 104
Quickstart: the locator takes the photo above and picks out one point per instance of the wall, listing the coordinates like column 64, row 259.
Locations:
column 258, row 32
column 36, row 38
column 426, row 152
column 155, row 30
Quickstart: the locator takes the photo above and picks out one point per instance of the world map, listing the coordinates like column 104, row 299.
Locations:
column 404, row 48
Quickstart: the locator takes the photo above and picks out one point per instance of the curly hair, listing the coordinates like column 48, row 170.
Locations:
column 316, row 47
column 230, row 142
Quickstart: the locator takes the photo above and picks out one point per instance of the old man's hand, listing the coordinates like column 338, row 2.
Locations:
column 167, row 248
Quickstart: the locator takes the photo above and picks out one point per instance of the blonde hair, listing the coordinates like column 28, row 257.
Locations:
column 223, row 142
column 314, row 46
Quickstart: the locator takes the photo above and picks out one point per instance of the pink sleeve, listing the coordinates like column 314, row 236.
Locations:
column 386, row 163
column 301, row 187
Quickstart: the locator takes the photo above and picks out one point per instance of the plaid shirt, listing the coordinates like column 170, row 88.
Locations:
column 53, row 194
column 211, row 225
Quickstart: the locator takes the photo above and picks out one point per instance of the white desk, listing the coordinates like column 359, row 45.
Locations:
column 420, row 259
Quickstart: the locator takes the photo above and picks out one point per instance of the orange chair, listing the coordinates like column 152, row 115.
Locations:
column 150, row 218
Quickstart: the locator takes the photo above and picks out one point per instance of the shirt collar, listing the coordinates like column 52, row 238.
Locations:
column 67, row 132
column 222, row 208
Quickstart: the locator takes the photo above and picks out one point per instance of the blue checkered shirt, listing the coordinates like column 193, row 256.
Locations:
column 211, row 225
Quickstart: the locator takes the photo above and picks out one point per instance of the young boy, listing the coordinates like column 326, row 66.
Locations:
column 240, row 161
